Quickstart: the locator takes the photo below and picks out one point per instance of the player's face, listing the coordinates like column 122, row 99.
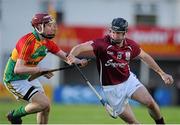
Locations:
column 117, row 36
column 50, row 28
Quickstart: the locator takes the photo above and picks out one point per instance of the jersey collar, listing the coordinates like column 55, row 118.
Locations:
column 36, row 35
column 108, row 38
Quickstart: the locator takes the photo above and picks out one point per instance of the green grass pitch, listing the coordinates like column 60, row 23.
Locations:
column 89, row 114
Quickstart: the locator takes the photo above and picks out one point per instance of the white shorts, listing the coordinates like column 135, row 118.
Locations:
column 23, row 89
column 117, row 95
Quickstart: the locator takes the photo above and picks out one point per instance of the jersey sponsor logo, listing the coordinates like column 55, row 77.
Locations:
column 41, row 51
column 115, row 64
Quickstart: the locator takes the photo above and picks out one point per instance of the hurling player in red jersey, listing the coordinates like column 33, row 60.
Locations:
column 29, row 51
column 113, row 54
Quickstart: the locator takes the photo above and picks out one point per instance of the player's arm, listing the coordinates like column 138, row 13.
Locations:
column 63, row 55
column 24, row 48
column 146, row 58
column 21, row 68
column 80, row 48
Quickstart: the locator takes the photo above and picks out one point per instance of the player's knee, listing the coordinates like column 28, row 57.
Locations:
column 47, row 108
column 45, row 105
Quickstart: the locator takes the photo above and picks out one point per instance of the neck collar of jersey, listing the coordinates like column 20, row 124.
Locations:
column 36, row 35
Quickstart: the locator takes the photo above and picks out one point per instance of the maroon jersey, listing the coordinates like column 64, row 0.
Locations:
column 113, row 61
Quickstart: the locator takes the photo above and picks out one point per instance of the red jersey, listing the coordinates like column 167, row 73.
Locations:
column 30, row 49
column 113, row 61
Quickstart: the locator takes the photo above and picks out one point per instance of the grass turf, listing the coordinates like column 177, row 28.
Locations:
column 89, row 114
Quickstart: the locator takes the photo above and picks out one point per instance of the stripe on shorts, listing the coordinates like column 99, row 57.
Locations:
column 26, row 97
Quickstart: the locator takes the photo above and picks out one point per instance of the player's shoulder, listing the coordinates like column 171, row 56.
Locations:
column 50, row 42
column 130, row 41
column 29, row 37
column 102, row 40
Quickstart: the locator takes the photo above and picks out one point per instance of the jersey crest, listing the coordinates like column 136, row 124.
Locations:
column 40, row 52
column 119, row 55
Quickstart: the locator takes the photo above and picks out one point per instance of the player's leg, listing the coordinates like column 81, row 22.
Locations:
column 116, row 96
column 40, row 105
column 43, row 114
column 128, row 116
column 42, row 117
column 23, row 89
column 138, row 92
column 143, row 96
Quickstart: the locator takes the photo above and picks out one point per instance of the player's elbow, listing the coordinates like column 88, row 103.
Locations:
column 17, row 70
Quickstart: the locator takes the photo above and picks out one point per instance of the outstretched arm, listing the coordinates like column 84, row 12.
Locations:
column 83, row 47
column 76, row 50
column 146, row 58
column 62, row 55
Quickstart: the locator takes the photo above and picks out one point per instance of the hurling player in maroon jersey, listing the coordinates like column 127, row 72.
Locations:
column 113, row 54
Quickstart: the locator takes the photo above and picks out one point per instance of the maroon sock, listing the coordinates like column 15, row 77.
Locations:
column 160, row 121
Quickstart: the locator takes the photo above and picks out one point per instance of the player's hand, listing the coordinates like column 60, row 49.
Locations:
column 49, row 75
column 71, row 59
column 83, row 62
column 168, row 79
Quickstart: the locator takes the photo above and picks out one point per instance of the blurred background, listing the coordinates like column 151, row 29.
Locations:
column 154, row 24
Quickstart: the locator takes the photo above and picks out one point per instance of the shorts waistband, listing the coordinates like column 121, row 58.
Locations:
column 112, row 86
